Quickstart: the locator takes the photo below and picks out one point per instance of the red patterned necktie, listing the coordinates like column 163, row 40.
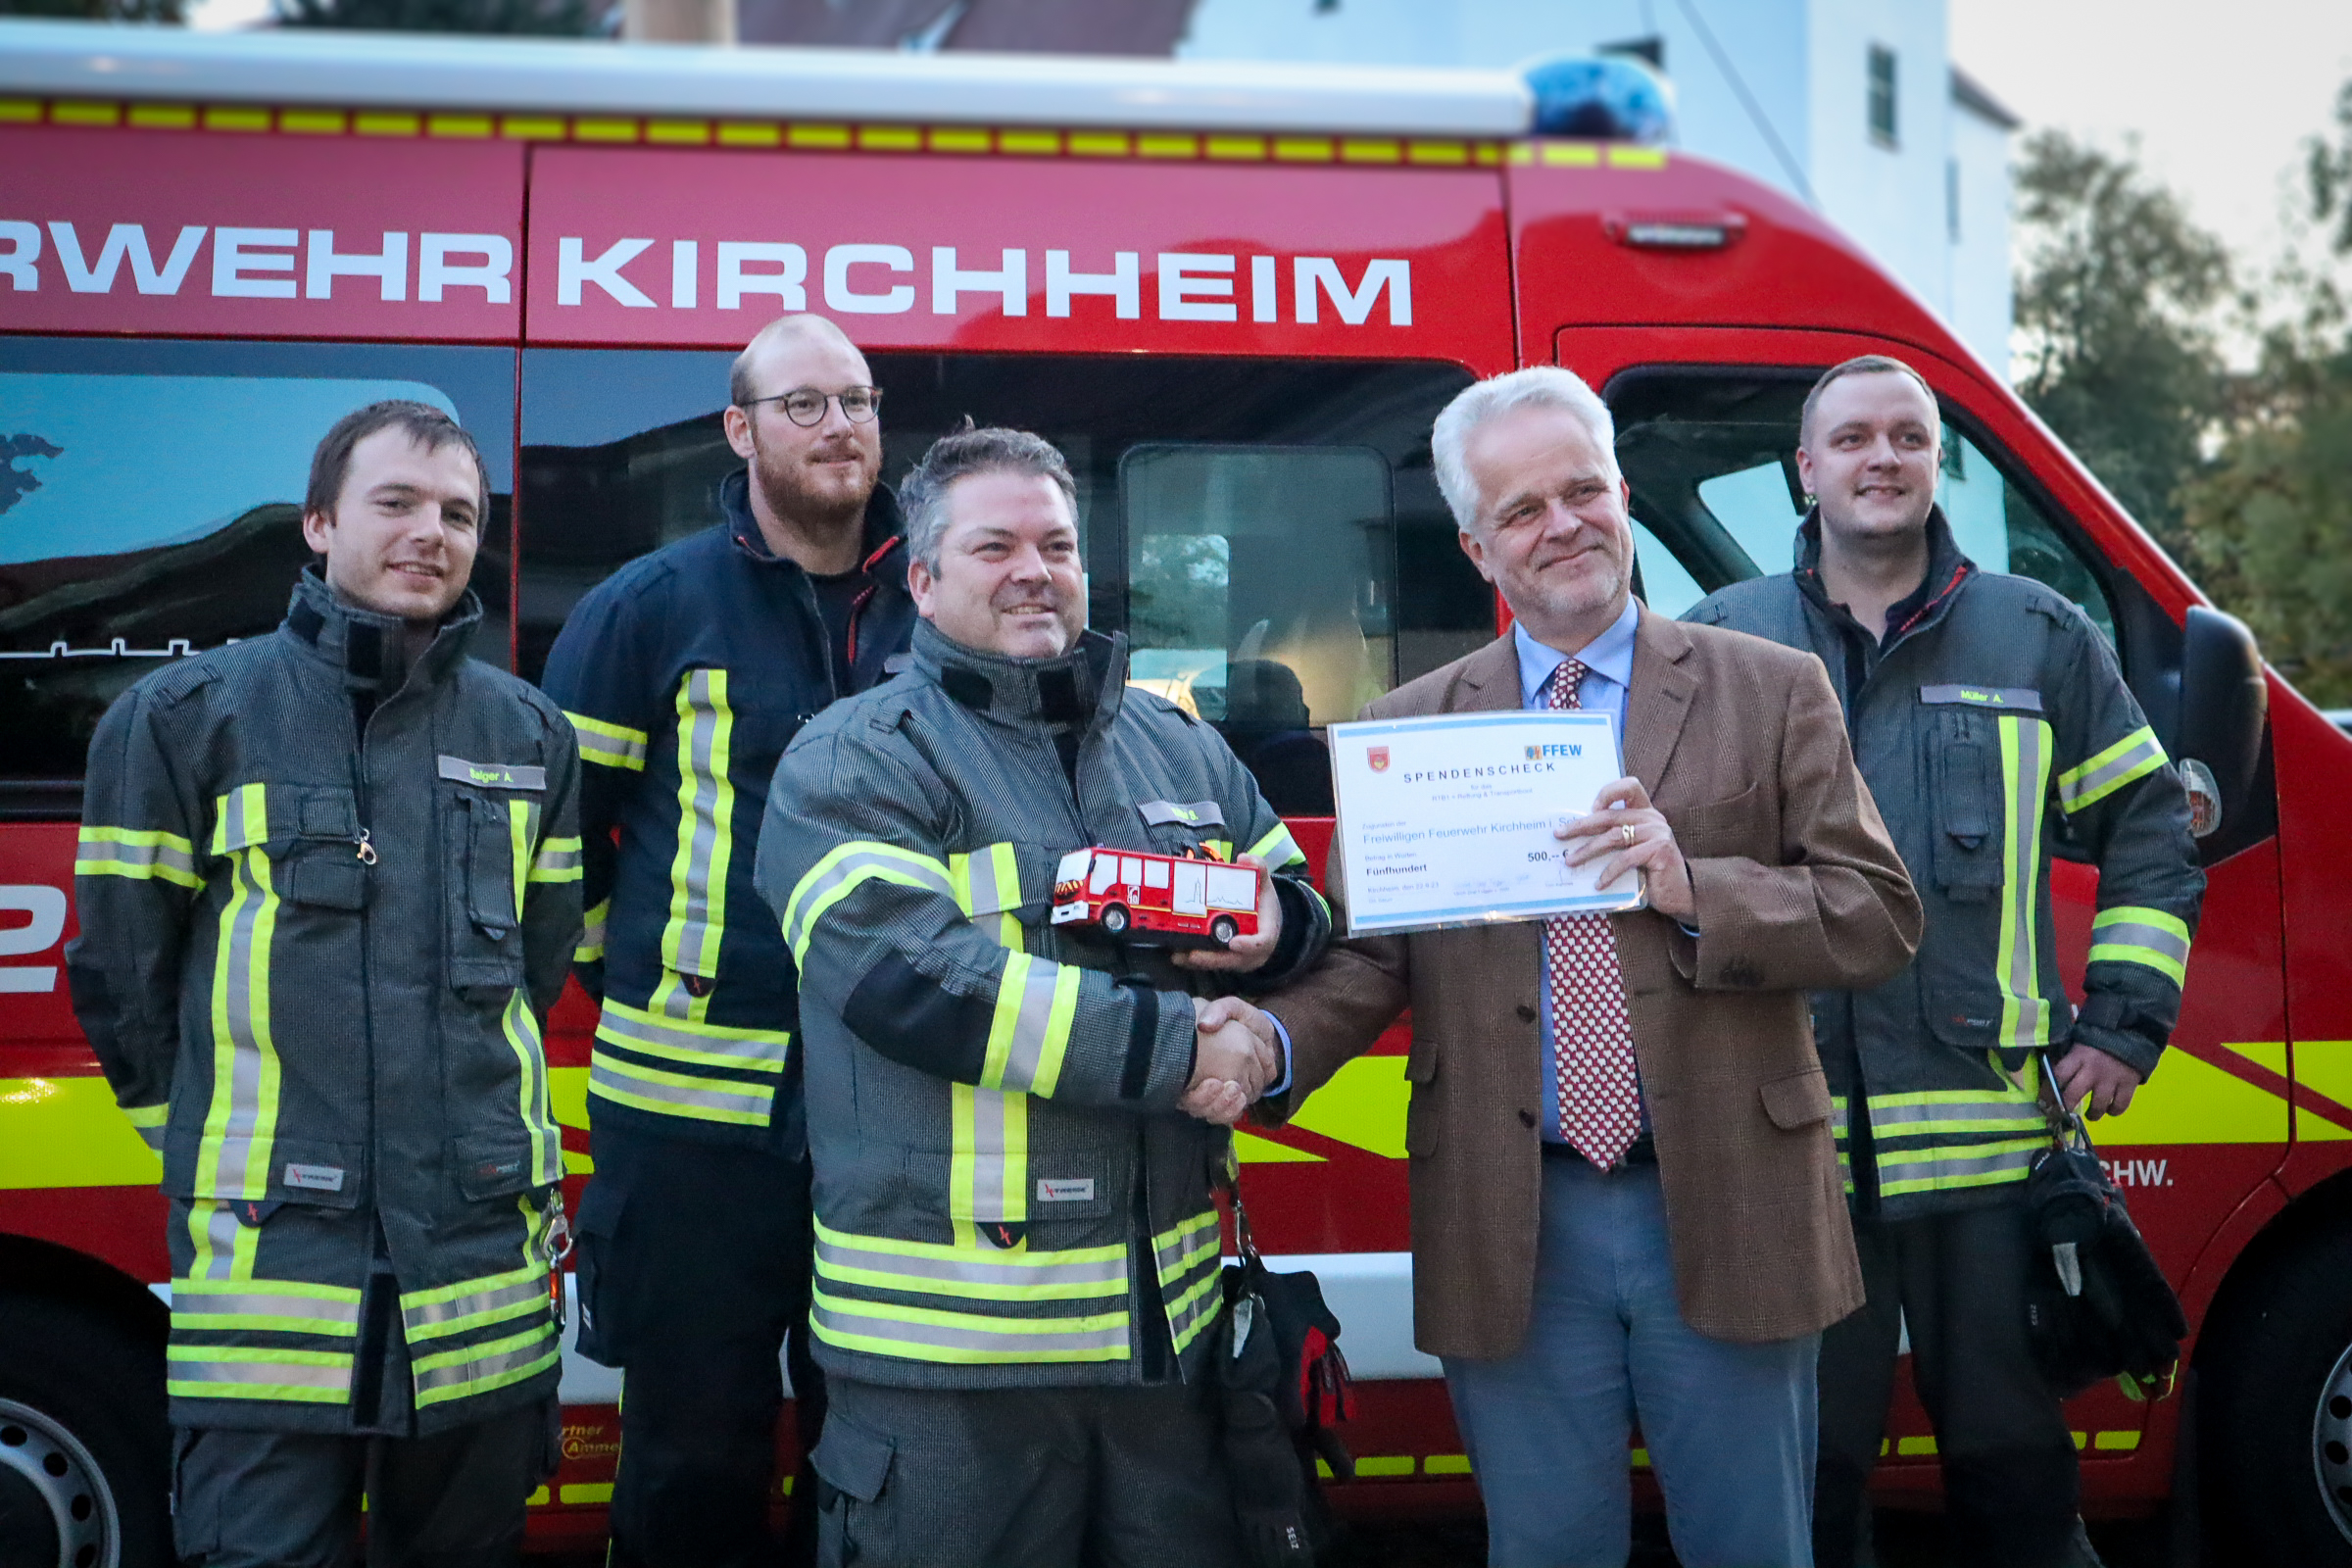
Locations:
column 1593, row 1043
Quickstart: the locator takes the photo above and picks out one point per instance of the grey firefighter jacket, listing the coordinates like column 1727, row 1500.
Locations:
column 1006, row 1194
column 1992, row 721
column 314, row 959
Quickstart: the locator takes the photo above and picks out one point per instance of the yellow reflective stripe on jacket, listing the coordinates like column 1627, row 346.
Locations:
column 520, row 1025
column 472, row 1369
column 149, row 1120
column 2135, row 755
column 247, row 1372
column 698, row 873
column 966, row 1339
column 240, row 817
column 1936, row 1170
column 1186, row 1258
column 241, row 1122
column 698, row 1055
column 1278, row 849
column 986, row 882
column 976, row 1273
column 987, row 1160
column 558, row 861
column 673, row 1093
column 448, row 1309
column 592, row 934
column 609, row 745
column 2025, row 786
column 2128, row 934
column 143, row 853
column 693, row 1042
column 844, row 868
column 273, row 1306
column 1029, row 1037
column 224, row 1249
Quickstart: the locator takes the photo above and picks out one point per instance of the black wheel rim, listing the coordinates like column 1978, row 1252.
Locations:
column 2331, row 1444
column 41, row 1451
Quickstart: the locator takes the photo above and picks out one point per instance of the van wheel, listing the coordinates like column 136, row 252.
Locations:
column 1223, row 929
column 1114, row 919
column 2275, row 1394
column 85, row 1446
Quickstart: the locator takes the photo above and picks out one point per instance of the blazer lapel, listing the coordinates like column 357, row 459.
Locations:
column 1658, row 701
column 1489, row 681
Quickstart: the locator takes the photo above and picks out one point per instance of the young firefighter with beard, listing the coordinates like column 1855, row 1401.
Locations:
column 1016, row 1250
column 1986, row 710
column 328, row 889
column 686, row 673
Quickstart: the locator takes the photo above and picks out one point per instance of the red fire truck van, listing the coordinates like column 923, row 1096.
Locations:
column 1236, row 297
column 1169, row 901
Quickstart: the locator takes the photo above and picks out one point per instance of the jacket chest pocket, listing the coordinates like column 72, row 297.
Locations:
column 311, row 837
column 488, row 838
column 1965, row 800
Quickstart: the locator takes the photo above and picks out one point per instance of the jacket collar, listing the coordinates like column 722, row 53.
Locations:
column 1081, row 686
column 883, row 556
column 1947, row 569
column 365, row 647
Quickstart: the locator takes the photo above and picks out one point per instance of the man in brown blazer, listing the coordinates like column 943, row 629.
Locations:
column 1626, row 1200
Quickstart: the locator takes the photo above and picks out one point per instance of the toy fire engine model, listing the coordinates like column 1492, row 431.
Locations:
column 1158, row 901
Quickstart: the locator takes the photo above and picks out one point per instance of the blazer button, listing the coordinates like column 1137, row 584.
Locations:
column 1527, row 1015
column 1527, row 1118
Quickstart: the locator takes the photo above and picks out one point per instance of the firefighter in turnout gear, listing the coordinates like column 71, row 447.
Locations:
column 1016, row 1245
column 1988, row 716
column 685, row 674
column 329, row 885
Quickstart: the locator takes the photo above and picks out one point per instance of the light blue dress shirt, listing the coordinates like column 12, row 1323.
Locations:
column 1608, row 662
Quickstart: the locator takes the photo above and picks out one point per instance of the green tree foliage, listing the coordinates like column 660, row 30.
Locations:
column 559, row 18
column 2116, row 308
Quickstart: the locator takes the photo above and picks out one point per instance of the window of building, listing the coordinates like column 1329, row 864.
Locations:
column 1883, row 125
column 151, row 508
column 1268, row 533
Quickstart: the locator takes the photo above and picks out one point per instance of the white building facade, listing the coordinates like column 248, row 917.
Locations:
column 1854, row 106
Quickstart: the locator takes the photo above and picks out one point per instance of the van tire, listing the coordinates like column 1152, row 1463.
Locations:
column 1114, row 919
column 2275, row 1387
column 83, row 1429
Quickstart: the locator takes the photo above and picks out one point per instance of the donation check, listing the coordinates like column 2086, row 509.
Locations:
column 1447, row 821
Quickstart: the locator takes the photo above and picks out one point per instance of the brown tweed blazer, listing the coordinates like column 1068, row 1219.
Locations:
column 1741, row 745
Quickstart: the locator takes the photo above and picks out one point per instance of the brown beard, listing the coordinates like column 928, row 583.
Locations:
column 786, row 496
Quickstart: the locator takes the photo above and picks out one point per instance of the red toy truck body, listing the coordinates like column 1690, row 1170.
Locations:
column 1164, row 901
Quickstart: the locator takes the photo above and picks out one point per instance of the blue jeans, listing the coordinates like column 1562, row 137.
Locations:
column 1729, row 1427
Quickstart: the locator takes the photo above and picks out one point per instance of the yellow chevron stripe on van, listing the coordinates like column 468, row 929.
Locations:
column 1362, row 1105
column 68, row 1132
column 2190, row 1100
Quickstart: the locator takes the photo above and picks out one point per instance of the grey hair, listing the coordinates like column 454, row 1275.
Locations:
column 1539, row 387
column 961, row 453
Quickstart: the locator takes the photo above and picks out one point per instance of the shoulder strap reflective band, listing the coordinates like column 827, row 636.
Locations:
column 685, row 1068
column 558, row 861
column 2128, row 934
column 698, row 875
column 2025, row 786
column 966, row 1338
column 609, row 745
column 1277, row 849
column 241, row 1121
column 592, row 934
column 846, row 865
column 2134, row 757
column 1186, row 1258
column 147, row 855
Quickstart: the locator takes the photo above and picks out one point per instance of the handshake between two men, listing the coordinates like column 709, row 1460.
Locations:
column 1237, row 1054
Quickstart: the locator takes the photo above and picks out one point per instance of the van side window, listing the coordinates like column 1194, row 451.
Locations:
column 1710, row 456
column 151, row 508
column 1268, row 533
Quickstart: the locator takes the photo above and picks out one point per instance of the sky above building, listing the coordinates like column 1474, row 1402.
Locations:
column 2221, row 97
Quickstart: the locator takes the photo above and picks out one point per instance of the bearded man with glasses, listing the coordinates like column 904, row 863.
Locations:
column 685, row 675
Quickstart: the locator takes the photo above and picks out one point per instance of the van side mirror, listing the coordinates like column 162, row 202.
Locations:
column 2224, row 705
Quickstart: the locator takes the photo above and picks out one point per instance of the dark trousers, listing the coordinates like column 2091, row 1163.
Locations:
column 2009, row 1471
column 694, row 1260
column 289, row 1499
column 1024, row 1478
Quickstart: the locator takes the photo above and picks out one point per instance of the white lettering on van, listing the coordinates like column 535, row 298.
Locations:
column 948, row 281
column 23, row 242
column 239, row 251
column 1182, row 292
column 685, row 257
column 1265, row 295
column 125, row 240
column 1123, row 284
column 841, row 297
column 47, row 907
column 1315, row 273
column 389, row 266
column 573, row 270
column 786, row 283
column 493, row 274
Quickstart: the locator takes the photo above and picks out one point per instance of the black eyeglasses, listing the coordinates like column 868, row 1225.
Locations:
column 806, row 405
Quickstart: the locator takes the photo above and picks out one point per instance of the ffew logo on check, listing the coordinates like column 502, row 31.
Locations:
column 1536, row 753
